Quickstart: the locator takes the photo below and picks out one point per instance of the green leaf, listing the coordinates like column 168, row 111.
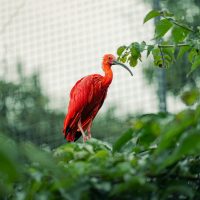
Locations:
column 135, row 53
column 156, row 52
column 190, row 97
column 132, row 61
column 157, row 57
column 169, row 54
column 9, row 167
column 162, row 27
column 195, row 60
column 192, row 55
column 102, row 154
column 173, row 130
column 149, row 49
column 148, row 134
column 179, row 34
column 150, row 15
column 142, row 46
column 120, row 50
column 196, row 63
column 182, row 51
column 135, row 49
column 166, row 58
column 189, row 145
column 123, row 58
column 122, row 140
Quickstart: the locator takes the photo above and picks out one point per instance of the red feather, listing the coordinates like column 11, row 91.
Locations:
column 86, row 98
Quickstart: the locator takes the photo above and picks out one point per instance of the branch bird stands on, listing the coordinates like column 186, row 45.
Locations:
column 86, row 98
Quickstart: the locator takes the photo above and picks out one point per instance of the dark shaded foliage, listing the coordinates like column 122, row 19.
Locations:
column 25, row 114
column 158, row 158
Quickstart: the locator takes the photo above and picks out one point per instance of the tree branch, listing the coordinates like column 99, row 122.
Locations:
column 172, row 45
column 180, row 25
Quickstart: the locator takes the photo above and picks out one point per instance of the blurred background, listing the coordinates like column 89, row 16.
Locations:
column 46, row 46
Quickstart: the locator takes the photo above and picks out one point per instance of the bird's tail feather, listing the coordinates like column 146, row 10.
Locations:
column 70, row 135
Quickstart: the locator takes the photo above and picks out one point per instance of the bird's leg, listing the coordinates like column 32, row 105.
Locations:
column 89, row 129
column 82, row 131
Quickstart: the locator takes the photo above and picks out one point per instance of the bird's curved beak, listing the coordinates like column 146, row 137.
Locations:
column 115, row 62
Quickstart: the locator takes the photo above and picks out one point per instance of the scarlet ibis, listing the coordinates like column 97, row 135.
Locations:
column 86, row 98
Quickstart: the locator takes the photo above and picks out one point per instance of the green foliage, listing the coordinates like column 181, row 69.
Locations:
column 185, row 32
column 195, row 63
column 176, row 46
column 157, row 158
column 180, row 36
column 190, row 97
column 107, row 126
column 131, row 53
column 120, row 50
column 24, row 112
column 162, row 27
column 122, row 140
column 150, row 15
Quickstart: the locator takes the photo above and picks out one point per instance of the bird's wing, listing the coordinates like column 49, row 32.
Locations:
column 75, row 106
column 75, row 86
column 80, row 96
column 87, row 121
column 95, row 109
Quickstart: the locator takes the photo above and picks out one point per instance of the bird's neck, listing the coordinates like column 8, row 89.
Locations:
column 108, row 75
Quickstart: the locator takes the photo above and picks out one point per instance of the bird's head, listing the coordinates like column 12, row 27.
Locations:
column 109, row 60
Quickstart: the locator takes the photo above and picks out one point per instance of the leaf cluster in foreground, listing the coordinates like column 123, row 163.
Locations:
column 157, row 158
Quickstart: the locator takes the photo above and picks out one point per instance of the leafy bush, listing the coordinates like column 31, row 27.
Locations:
column 176, row 46
column 157, row 158
column 182, row 39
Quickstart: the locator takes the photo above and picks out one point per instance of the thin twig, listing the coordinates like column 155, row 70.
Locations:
column 162, row 56
column 180, row 25
column 172, row 46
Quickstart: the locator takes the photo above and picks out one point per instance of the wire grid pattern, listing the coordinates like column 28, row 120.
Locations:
column 65, row 40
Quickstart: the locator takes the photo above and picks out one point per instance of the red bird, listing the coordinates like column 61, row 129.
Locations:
column 86, row 98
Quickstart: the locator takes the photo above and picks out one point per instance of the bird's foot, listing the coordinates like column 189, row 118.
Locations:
column 85, row 138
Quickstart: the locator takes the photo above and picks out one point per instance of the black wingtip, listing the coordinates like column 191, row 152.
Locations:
column 66, row 131
column 77, row 136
